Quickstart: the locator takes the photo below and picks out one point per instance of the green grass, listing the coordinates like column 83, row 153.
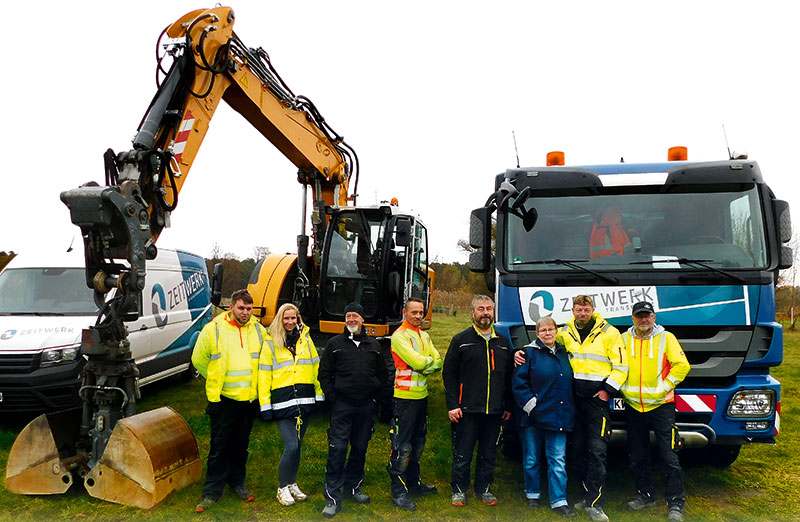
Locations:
column 761, row 485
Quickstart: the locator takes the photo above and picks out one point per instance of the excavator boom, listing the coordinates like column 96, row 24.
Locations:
column 122, row 456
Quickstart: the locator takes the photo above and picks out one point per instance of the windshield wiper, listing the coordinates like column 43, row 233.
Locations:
column 698, row 262
column 572, row 263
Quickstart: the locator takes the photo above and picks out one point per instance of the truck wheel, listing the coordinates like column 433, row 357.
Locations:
column 722, row 456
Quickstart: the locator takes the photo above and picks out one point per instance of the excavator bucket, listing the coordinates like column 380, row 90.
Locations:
column 35, row 465
column 148, row 456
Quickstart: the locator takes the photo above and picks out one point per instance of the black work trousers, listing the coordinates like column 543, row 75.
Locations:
column 590, row 446
column 661, row 421
column 349, row 425
column 231, row 423
column 472, row 428
column 409, row 428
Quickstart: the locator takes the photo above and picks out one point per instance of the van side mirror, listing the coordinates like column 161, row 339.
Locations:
column 216, row 285
column 402, row 233
column 480, row 238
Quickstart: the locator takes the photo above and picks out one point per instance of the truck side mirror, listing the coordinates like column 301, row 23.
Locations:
column 216, row 285
column 783, row 220
column 480, row 238
column 402, row 233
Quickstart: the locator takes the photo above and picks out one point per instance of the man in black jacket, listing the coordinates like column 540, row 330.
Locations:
column 353, row 376
column 477, row 383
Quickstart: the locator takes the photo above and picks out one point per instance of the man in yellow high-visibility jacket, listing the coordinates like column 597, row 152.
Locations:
column 657, row 365
column 226, row 354
column 415, row 358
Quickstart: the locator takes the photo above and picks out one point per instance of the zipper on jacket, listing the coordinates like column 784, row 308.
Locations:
column 489, row 368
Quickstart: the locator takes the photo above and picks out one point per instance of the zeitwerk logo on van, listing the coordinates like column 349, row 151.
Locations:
column 609, row 301
column 164, row 301
column 8, row 334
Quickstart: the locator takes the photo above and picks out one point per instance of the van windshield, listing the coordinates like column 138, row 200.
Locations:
column 45, row 291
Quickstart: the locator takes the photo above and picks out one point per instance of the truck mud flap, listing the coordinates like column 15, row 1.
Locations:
column 37, row 463
column 148, row 456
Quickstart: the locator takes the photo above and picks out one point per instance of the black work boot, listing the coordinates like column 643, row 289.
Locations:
column 404, row 502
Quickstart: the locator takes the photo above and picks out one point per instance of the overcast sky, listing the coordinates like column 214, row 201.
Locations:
column 428, row 94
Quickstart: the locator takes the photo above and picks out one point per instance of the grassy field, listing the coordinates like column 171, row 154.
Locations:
column 761, row 485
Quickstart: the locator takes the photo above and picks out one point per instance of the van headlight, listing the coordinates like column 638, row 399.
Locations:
column 752, row 403
column 54, row 356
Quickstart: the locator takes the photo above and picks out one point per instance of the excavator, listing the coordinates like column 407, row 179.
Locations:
column 376, row 255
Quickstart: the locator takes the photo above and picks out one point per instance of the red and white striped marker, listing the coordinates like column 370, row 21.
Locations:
column 696, row 403
column 183, row 135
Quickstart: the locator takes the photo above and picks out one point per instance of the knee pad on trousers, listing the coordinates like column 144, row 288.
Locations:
column 404, row 456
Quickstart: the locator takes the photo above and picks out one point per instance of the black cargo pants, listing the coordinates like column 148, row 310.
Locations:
column 662, row 423
column 471, row 428
column 350, row 425
column 409, row 429
column 231, row 423
column 590, row 446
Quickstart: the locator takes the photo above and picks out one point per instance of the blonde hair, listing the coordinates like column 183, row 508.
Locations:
column 276, row 329
column 583, row 300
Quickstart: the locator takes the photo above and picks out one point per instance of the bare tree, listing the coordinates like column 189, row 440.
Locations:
column 216, row 251
column 261, row 252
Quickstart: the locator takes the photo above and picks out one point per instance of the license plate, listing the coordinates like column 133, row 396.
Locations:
column 618, row 404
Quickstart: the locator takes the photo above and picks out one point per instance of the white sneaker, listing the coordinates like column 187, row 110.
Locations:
column 285, row 496
column 298, row 495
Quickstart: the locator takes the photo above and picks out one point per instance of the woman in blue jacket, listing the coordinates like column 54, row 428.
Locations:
column 543, row 389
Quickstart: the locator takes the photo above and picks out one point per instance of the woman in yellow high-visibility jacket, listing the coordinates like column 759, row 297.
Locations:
column 288, row 389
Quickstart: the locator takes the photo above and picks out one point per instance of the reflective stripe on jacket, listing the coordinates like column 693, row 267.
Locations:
column 287, row 384
column 226, row 354
column 599, row 362
column 414, row 359
column 657, row 365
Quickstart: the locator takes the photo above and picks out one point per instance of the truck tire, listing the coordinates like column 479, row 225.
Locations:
column 722, row 455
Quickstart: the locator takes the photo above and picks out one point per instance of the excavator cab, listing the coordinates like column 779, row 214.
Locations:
column 376, row 256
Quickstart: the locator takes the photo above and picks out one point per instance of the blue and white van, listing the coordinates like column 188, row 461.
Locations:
column 45, row 304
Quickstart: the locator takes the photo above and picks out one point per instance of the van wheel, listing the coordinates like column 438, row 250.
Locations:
column 190, row 373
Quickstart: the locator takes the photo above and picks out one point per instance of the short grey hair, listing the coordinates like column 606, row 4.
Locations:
column 546, row 320
column 480, row 299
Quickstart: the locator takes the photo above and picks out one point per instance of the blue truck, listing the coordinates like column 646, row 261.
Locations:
column 702, row 241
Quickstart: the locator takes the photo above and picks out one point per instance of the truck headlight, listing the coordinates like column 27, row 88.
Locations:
column 752, row 403
column 54, row 356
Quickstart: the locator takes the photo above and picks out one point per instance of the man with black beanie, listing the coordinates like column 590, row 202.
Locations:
column 353, row 375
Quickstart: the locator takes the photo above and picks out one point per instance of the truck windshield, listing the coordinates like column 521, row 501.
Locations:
column 45, row 291
column 641, row 231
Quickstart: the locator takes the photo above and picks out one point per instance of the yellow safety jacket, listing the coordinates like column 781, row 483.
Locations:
column 287, row 384
column 414, row 359
column 599, row 362
column 226, row 354
column 657, row 365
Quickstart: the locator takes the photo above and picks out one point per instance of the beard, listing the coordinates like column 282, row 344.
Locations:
column 482, row 322
column 353, row 329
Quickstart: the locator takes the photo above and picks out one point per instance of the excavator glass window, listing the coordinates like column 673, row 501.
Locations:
column 352, row 269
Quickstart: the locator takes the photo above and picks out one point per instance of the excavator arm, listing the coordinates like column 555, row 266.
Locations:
column 120, row 223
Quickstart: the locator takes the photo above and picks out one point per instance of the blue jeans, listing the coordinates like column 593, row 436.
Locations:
column 554, row 444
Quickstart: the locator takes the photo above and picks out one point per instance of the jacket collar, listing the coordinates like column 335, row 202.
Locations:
column 494, row 334
column 409, row 327
column 598, row 323
column 657, row 329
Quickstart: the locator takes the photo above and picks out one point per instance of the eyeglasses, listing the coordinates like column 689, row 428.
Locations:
column 546, row 330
